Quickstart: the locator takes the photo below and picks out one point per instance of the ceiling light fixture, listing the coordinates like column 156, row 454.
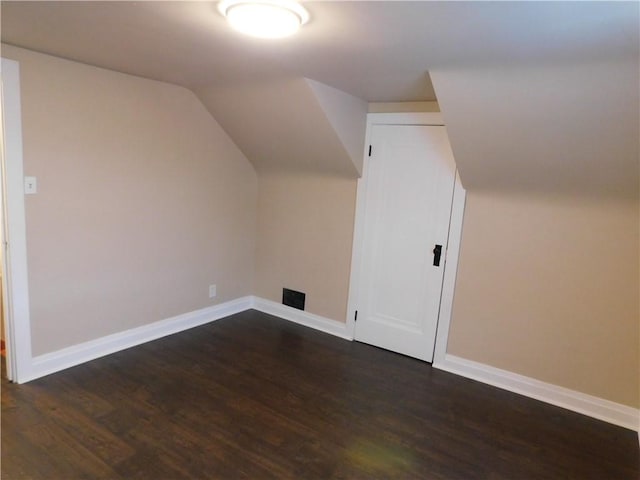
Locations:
column 264, row 18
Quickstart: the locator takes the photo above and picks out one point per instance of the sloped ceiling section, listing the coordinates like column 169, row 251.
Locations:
column 536, row 95
column 285, row 125
column 348, row 117
column 562, row 128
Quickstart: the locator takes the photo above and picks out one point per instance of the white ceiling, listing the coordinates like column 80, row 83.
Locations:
column 375, row 50
column 537, row 96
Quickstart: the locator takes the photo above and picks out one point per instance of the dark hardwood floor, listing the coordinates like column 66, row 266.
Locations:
column 254, row 397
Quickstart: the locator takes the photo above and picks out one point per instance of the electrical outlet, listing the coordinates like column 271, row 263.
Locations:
column 212, row 291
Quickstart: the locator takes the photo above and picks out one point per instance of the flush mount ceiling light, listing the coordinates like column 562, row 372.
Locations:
column 264, row 18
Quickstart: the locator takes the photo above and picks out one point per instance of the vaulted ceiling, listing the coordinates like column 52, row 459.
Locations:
column 536, row 95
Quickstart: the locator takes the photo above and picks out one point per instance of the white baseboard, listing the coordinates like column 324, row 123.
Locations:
column 601, row 409
column 49, row 363
column 301, row 317
column 69, row 357
column 591, row 406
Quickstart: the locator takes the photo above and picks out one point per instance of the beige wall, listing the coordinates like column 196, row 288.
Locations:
column 305, row 234
column 548, row 288
column 548, row 280
column 143, row 201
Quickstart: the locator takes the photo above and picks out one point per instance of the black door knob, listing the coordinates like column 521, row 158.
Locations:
column 437, row 253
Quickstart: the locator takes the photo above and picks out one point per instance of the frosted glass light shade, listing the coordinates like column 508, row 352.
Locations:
column 264, row 18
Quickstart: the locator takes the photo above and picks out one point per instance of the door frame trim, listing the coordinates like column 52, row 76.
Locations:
column 18, row 322
column 455, row 232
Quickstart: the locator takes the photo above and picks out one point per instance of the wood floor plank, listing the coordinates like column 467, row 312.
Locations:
column 255, row 397
column 83, row 429
column 66, row 453
column 74, row 394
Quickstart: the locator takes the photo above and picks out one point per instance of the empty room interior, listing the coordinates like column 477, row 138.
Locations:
column 398, row 240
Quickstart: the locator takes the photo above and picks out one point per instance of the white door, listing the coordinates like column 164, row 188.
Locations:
column 409, row 179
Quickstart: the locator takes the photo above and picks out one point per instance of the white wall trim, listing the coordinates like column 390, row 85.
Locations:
column 450, row 270
column 49, row 363
column 591, row 406
column 75, row 355
column 595, row 407
column 301, row 317
column 18, row 321
column 407, row 118
column 358, row 237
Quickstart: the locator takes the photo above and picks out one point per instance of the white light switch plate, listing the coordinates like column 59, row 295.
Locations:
column 30, row 185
